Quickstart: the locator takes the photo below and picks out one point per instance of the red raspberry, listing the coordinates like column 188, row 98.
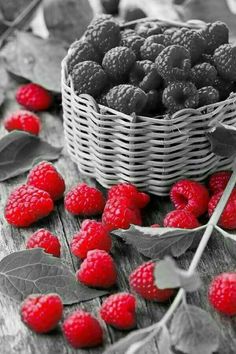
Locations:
column 23, row 120
column 120, row 213
column 41, row 313
column 190, row 196
column 33, row 97
column 181, row 219
column 82, row 330
column 227, row 219
column 27, row 204
column 97, row 270
column 84, row 200
column 142, row 282
column 45, row 176
column 46, row 240
column 129, row 191
column 118, row 310
column 92, row 235
column 222, row 293
column 218, row 181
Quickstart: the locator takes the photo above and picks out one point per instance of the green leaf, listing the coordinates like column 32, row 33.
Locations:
column 168, row 275
column 157, row 242
column 223, row 140
column 193, row 331
column 20, row 150
column 35, row 272
column 229, row 241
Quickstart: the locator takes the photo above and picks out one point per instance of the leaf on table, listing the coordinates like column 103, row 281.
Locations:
column 229, row 241
column 10, row 9
column 223, row 140
column 168, row 275
column 2, row 96
column 157, row 242
column 164, row 341
column 20, row 150
column 35, row 59
column 35, row 272
column 193, row 331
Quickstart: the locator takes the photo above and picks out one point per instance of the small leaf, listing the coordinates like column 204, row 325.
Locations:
column 168, row 275
column 193, row 331
column 229, row 241
column 164, row 341
column 157, row 242
column 35, row 272
column 223, row 140
column 19, row 150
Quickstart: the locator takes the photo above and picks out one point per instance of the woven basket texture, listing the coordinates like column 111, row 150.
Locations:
column 151, row 153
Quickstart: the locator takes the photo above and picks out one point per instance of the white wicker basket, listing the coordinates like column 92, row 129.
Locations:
column 151, row 153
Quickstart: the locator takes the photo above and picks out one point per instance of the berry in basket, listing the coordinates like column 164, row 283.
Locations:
column 145, row 76
column 132, row 40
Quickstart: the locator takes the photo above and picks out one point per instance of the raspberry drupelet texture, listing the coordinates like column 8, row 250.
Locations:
column 222, row 293
column 117, row 62
column 81, row 51
column 45, row 176
column 126, row 99
column 33, row 97
column 218, row 181
column 215, row 34
column 173, row 63
column 225, row 61
column 46, row 240
column 190, row 196
column 208, row 95
column 223, row 87
column 144, row 75
column 42, row 313
column 148, row 29
column 118, row 310
column 181, row 219
column 92, row 235
column 129, row 191
column 26, row 205
column 23, row 120
column 84, row 200
column 152, row 47
column 120, row 213
column 227, row 219
column 82, row 330
column 179, row 95
column 88, row 77
column 203, row 74
column 132, row 40
column 98, row 270
column 142, row 282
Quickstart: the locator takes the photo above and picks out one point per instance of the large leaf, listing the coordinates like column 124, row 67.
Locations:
column 19, row 150
column 157, row 242
column 223, row 140
column 34, row 272
column 35, row 59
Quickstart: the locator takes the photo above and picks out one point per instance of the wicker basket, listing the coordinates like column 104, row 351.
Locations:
column 151, row 153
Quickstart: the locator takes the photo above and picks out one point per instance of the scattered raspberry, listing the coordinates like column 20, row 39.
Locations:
column 179, row 95
column 218, row 181
column 152, row 47
column 190, row 196
column 34, row 97
column 118, row 310
column 142, row 282
column 84, row 200
column 46, row 240
column 120, row 213
column 82, row 330
column 41, row 313
column 117, row 62
column 111, row 6
column 45, row 176
column 103, row 33
column 133, row 13
column 88, row 77
column 23, row 120
column 27, row 204
column 222, row 293
column 92, row 235
column 227, row 219
column 132, row 40
column 192, row 40
column 215, row 34
column 126, row 99
column 225, row 61
column 207, row 95
column 148, row 28
column 203, row 74
column 129, row 191
column 97, row 270
column 173, row 63
column 144, row 75
column 181, row 219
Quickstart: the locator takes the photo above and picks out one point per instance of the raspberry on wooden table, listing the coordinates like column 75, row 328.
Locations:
column 228, row 217
column 27, row 204
column 218, row 181
column 46, row 240
column 82, row 330
column 181, row 219
column 34, row 97
column 41, row 313
column 129, row 191
column 45, row 176
column 23, row 120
